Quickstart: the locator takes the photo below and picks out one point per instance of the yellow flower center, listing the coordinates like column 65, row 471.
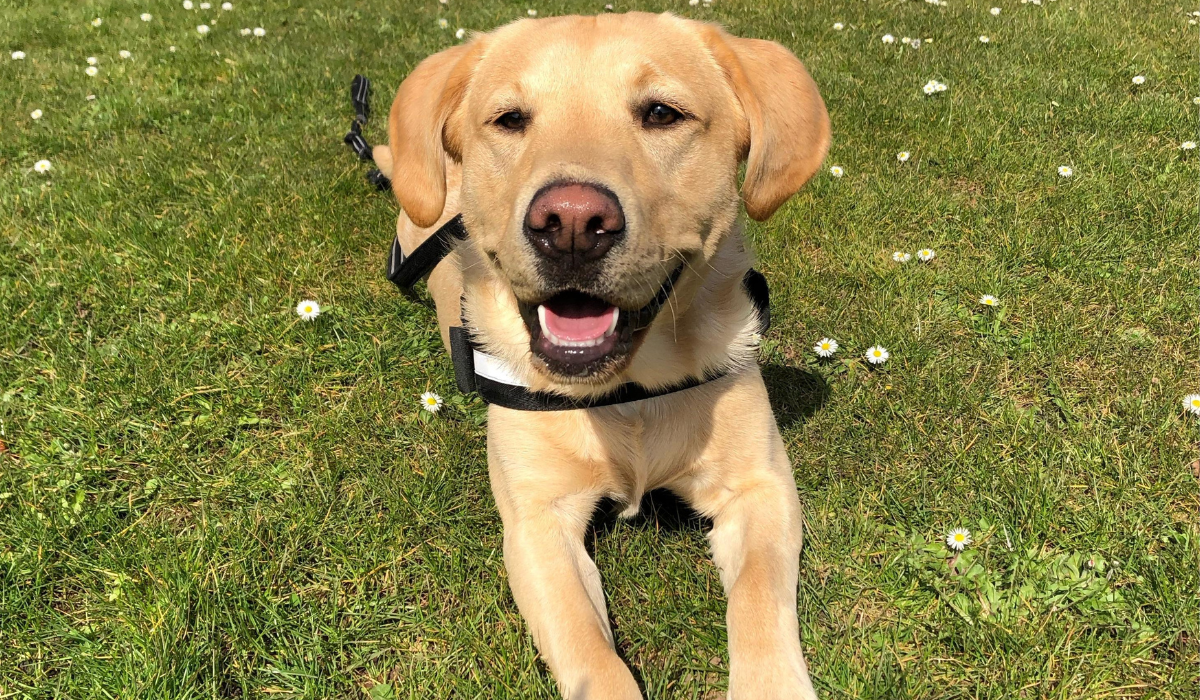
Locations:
column 308, row 309
column 877, row 353
column 1195, row 403
column 958, row 537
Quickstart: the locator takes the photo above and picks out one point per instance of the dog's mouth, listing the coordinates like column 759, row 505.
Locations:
column 578, row 335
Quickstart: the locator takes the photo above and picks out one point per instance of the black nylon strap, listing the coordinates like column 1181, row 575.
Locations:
column 406, row 270
column 360, row 96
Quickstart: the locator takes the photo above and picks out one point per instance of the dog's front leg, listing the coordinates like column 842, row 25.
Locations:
column 556, row 584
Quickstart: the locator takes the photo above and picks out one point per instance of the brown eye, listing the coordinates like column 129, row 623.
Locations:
column 659, row 114
column 512, row 121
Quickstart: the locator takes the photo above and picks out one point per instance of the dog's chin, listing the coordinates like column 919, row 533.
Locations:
column 578, row 338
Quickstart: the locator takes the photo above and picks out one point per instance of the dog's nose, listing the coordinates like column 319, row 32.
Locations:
column 574, row 222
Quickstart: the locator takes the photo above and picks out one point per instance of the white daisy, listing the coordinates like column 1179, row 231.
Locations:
column 532, row 12
column 205, row 5
column 35, row 114
column 171, row 49
column 926, row 254
column 1191, row 402
column 90, row 98
column 836, row 171
column 91, row 71
column 887, row 39
column 1195, row 100
column 97, row 22
column 903, row 156
column 940, row 87
column 609, row 7
column 20, row 56
column 245, row 31
column 431, row 402
column 124, row 54
column 202, row 29
column 260, row 32
column 825, row 347
column 983, row 39
column 443, row 22
column 187, row 4
column 460, row 33
column 308, row 309
column 989, row 300
column 42, row 166
column 929, row 88
column 146, row 16
column 877, row 354
column 91, row 60
column 693, row 3
column 1065, row 171
column 1188, row 145
column 1139, row 79
column 839, row 26
column 915, row 43
column 901, row 257
column 958, row 539
column 995, row 11
column 227, row 6
column 906, row 40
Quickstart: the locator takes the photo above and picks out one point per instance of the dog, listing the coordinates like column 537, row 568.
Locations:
column 595, row 164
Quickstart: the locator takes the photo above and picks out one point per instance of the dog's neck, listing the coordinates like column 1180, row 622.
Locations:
column 708, row 324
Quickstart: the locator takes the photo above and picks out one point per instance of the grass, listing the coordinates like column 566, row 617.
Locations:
column 202, row 497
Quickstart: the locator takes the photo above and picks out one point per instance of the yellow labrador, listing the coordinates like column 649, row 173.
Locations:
column 592, row 159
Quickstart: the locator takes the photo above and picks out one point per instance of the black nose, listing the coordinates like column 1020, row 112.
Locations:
column 574, row 223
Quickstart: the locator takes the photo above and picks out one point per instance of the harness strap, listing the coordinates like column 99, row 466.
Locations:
column 406, row 270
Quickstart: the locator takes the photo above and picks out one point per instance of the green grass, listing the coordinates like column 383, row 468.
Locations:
column 202, row 497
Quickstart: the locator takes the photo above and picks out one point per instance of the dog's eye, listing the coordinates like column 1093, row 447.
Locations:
column 512, row 121
column 659, row 114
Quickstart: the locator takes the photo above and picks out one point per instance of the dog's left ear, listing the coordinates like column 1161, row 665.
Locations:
column 787, row 127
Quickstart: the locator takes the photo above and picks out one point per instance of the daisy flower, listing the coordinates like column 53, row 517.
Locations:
column 460, row 33
column 1191, row 402
column 906, row 40
column 1139, row 79
column 91, row 60
column 97, row 22
column 532, row 12
column 839, row 26
column 431, row 402
column 877, row 354
column 91, row 71
column 35, row 114
column 146, row 16
column 308, row 309
column 901, row 257
column 171, row 49
column 995, row 11
column 989, row 300
column 124, row 54
column 260, row 32
column 90, row 98
column 202, row 29
column 20, row 56
column 958, row 539
column 187, row 4
column 836, row 171
column 245, row 31
column 983, row 39
column 903, row 156
column 1065, row 171
column 205, row 5
column 825, row 347
column 1188, row 145
column 443, row 22
column 1195, row 100
column 915, row 43
column 42, row 166
column 887, row 39
column 693, row 3
column 227, row 6
column 926, row 254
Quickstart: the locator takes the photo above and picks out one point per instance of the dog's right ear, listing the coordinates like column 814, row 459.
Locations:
column 417, row 130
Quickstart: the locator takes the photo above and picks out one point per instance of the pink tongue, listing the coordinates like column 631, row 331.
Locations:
column 579, row 322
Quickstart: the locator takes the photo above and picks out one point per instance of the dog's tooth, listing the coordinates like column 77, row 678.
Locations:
column 542, row 320
column 613, row 326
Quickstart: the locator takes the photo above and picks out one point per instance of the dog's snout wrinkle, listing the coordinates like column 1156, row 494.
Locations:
column 574, row 223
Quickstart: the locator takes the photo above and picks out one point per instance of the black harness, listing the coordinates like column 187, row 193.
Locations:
column 481, row 373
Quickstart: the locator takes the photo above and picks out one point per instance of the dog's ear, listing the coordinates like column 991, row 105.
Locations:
column 787, row 129
column 417, row 132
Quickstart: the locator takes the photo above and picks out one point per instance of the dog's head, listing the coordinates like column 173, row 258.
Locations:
column 600, row 159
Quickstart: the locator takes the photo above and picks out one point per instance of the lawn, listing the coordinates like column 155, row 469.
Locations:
column 203, row 496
